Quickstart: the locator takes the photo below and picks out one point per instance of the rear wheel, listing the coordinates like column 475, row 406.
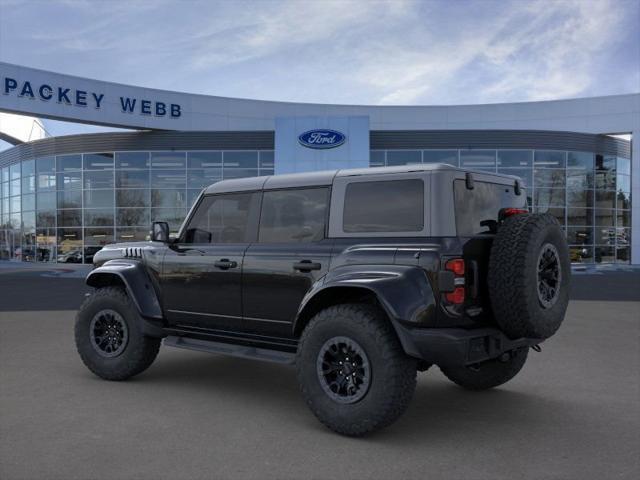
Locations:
column 488, row 374
column 529, row 274
column 108, row 336
column 352, row 370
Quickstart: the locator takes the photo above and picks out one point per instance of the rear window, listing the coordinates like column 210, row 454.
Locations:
column 482, row 203
column 384, row 206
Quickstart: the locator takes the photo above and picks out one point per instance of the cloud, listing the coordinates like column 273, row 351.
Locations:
column 543, row 51
column 553, row 56
column 373, row 52
column 277, row 27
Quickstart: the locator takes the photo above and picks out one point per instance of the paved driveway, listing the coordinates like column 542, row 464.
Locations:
column 573, row 412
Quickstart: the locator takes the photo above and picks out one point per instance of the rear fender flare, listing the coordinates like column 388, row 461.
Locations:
column 404, row 292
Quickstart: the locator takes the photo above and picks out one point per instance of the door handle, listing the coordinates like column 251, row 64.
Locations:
column 306, row 266
column 225, row 264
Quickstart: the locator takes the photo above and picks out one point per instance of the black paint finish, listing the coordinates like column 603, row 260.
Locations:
column 276, row 277
column 202, row 285
column 262, row 294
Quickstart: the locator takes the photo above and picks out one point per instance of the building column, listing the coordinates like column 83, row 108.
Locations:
column 635, row 197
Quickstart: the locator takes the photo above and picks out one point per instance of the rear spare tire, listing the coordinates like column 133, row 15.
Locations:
column 529, row 275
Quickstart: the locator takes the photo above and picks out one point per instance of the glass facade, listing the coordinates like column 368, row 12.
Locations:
column 65, row 208
column 589, row 194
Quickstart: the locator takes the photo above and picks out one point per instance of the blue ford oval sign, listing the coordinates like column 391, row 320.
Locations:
column 322, row 138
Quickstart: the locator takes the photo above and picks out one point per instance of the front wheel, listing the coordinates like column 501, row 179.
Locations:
column 489, row 374
column 352, row 370
column 108, row 336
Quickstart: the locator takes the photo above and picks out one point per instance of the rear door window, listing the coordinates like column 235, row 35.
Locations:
column 293, row 216
column 482, row 203
column 384, row 206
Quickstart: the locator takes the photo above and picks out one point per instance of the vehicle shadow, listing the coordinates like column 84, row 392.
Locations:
column 439, row 409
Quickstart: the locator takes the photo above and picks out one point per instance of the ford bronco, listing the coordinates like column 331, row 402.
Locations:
column 360, row 278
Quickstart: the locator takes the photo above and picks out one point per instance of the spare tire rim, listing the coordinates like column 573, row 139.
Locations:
column 343, row 370
column 549, row 275
column 109, row 333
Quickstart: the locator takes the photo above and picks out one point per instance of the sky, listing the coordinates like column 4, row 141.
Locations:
column 393, row 52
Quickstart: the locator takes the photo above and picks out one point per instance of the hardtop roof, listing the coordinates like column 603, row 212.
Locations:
column 325, row 178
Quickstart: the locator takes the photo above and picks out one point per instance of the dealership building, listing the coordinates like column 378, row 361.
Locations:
column 62, row 198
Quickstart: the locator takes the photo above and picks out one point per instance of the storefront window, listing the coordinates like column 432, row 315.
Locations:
column 583, row 160
column 549, row 159
column 549, row 178
column 169, row 198
column 403, row 157
column 440, row 156
column 46, row 165
column 95, row 217
column 478, row 159
column 133, row 198
column 58, row 207
column 168, row 160
column 206, row 160
column 28, row 168
column 515, row 158
column 68, row 162
column 132, row 179
column 97, row 161
column 266, row 160
column 168, row 179
column 139, row 160
column 133, row 217
column 240, row 160
column 377, row 158
column 98, row 199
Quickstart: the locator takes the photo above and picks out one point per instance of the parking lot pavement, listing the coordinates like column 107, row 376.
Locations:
column 573, row 412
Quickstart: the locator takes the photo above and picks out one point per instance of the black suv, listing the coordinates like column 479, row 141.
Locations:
column 358, row 277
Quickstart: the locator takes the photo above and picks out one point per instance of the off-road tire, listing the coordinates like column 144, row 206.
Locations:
column 140, row 350
column 488, row 374
column 513, row 279
column 393, row 373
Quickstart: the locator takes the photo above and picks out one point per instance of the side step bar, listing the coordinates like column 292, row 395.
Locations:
column 241, row 351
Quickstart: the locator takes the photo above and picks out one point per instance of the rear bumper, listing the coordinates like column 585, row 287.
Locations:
column 459, row 346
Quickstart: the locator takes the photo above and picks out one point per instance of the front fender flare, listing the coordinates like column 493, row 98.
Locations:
column 135, row 278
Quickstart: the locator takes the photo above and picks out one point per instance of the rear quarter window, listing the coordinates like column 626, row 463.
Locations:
column 482, row 203
column 384, row 206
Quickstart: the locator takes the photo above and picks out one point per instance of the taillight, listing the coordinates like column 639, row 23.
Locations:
column 456, row 297
column 456, row 266
column 509, row 212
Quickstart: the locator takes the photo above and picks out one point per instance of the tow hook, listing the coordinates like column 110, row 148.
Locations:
column 536, row 348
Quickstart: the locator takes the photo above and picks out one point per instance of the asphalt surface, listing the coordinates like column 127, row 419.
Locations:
column 573, row 412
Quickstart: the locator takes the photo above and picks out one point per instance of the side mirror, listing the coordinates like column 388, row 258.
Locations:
column 160, row 232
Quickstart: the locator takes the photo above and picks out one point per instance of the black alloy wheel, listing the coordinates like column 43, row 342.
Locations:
column 343, row 370
column 549, row 275
column 109, row 333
